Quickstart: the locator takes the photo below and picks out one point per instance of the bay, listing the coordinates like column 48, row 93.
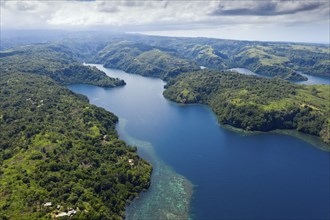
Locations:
column 205, row 171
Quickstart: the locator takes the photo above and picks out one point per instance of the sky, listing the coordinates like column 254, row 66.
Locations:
column 265, row 20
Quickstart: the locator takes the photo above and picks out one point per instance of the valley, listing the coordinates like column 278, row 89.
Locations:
column 55, row 144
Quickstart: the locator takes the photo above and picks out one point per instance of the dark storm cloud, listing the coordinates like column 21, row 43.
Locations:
column 166, row 4
column 25, row 6
column 107, row 7
column 267, row 9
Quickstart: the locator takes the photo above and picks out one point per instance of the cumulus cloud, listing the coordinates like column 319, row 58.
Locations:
column 128, row 13
column 161, row 14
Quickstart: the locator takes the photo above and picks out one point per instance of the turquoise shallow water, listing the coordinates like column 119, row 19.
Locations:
column 204, row 171
column 170, row 193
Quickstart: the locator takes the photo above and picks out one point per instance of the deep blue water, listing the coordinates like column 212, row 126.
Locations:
column 235, row 175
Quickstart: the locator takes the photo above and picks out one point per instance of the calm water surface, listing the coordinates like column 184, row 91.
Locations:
column 311, row 79
column 204, row 171
column 315, row 80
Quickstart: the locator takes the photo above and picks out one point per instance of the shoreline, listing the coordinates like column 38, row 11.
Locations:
column 172, row 190
column 311, row 139
column 316, row 141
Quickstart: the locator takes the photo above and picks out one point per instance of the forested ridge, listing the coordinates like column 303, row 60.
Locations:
column 143, row 59
column 167, row 57
column 57, row 62
column 58, row 148
column 255, row 103
column 283, row 60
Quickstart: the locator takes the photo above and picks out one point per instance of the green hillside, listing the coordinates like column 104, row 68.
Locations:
column 255, row 103
column 143, row 59
column 56, row 147
column 284, row 60
column 166, row 57
column 57, row 62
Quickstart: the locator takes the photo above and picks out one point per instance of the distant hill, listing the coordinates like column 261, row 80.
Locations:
column 126, row 52
column 144, row 59
column 58, row 62
column 265, row 58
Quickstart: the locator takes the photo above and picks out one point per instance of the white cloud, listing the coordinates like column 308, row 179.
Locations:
column 132, row 15
column 129, row 13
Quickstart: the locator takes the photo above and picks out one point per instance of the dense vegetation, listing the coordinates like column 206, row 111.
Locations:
column 143, row 59
column 274, row 60
column 255, row 103
column 56, row 147
column 283, row 60
column 57, row 62
column 166, row 57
